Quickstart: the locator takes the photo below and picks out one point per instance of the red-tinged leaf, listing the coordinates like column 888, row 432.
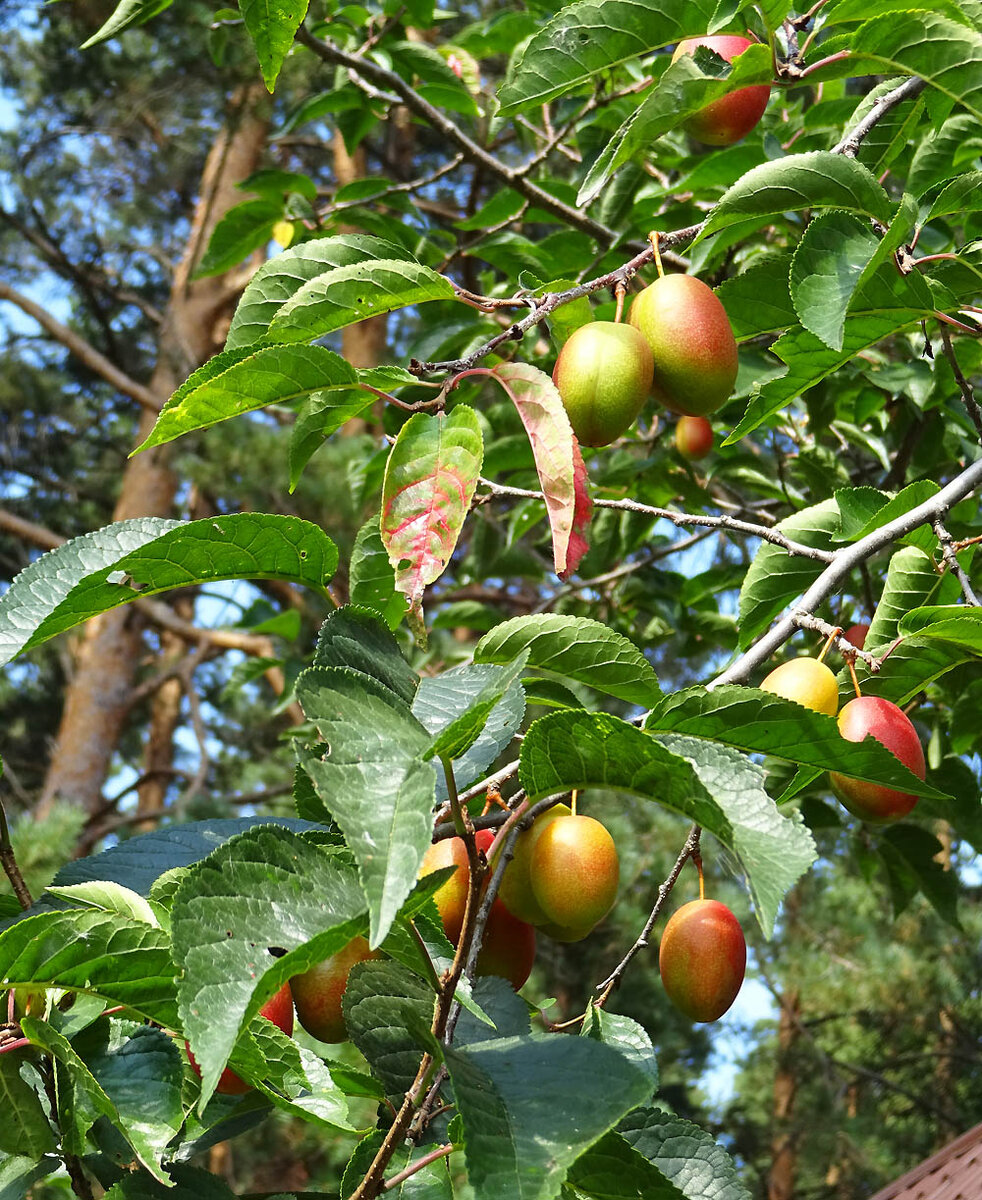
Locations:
column 557, row 459
column 429, row 484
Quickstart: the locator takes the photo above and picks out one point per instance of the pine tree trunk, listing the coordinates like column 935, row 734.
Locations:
column 97, row 700
column 784, row 1141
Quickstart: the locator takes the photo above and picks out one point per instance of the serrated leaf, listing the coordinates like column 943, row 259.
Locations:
column 381, row 1000
column 116, row 958
column 270, row 375
column 128, row 1073
column 372, row 781
column 714, row 786
column 279, row 279
column 963, row 195
column 613, row 1170
column 575, row 648
column 346, row 295
column 830, row 259
column 591, row 36
column 558, row 460
column 817, row 179
column 442, row 697
column 24, row 1130
column 864, row 510
column 146, row 555
column 430, row 479
column 960, row 624
column 776, row 577
column 681, row 91
column 945, row 54
column 759, row 300
column 625, row 1035
column 266, row 888
column 125, row 15
column 465, row 727
column 108, row 897
column 371, row 578
column 530, row 1106
column 272, row 25
column 698, row 1166
column 244, row 228
column 758, row 722
column 357, row 638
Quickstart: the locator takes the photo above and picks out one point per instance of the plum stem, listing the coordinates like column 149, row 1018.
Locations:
column 828, row 642
column 852, row 672
column 653, row 238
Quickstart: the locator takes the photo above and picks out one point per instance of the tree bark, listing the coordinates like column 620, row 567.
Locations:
column 784, row 1141
column 98, row 699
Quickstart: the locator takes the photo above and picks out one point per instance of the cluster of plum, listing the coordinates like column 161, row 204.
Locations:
column 811, row 683
column 677, row 346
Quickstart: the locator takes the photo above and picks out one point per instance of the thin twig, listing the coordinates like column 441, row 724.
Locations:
column 951, row 558
column 968, row 393
column 434, row 1156
column 9, row 863
column 805, row 620
column 689, row 849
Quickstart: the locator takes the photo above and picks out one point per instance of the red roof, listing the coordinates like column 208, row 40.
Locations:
column 954, row 1173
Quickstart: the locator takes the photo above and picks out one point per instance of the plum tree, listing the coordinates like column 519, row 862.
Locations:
column 806, row 680
column 603, row 374
column 882, row 719
column 575, row 870
column 317, row 992
column 702, row 959
column 278, row 1009
column 731, row 117
column 693, row 437
column 692, row 343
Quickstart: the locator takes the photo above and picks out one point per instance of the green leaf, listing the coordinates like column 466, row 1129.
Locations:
column 443, row 699
column 688, row 1155
column 268, row 888
column 959, row 624
column 243, row 229
column 530, row 1106
column 270, row 375
column 710, row 784
column 140, row 861
column 945, row 54
column 624, row 1033
column 371, row 577
column 190, row 1183
column 18, row 1173
column 272, row 25
column 575, row 648
column 462, row 731
column 912, row 856
column 101, row 954
column 24, row 1129
column 372, row 781
column 355, row 637
column 430, row 479
column 321, row 415
column 828, row 264
column 962, row 196
column 380, row 1003
column 108, row 897
column 279, row 279
column 775, row 577
column 757, row 722
column 146, row 555
column 759, row 300
column 346, row 295
column 613, row 1170
column 591, row 36
column 128, row 1073
column 681, row 91
column 125, row 15
column 818, row 179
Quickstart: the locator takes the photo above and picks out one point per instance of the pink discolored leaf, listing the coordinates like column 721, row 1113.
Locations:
column 557, row 459
column 429, row 483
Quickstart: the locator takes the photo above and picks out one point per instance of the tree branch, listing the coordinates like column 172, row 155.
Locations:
column 951, row 558
column 968, row 393
column 844, row 561
column 850, row 144
column 86, row 353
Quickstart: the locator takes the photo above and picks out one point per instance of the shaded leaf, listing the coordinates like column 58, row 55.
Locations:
column 272, row 25
column 688, row 1155
column 146, row 555
column 356, row 637
column 244, row 228
column 371, row 578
